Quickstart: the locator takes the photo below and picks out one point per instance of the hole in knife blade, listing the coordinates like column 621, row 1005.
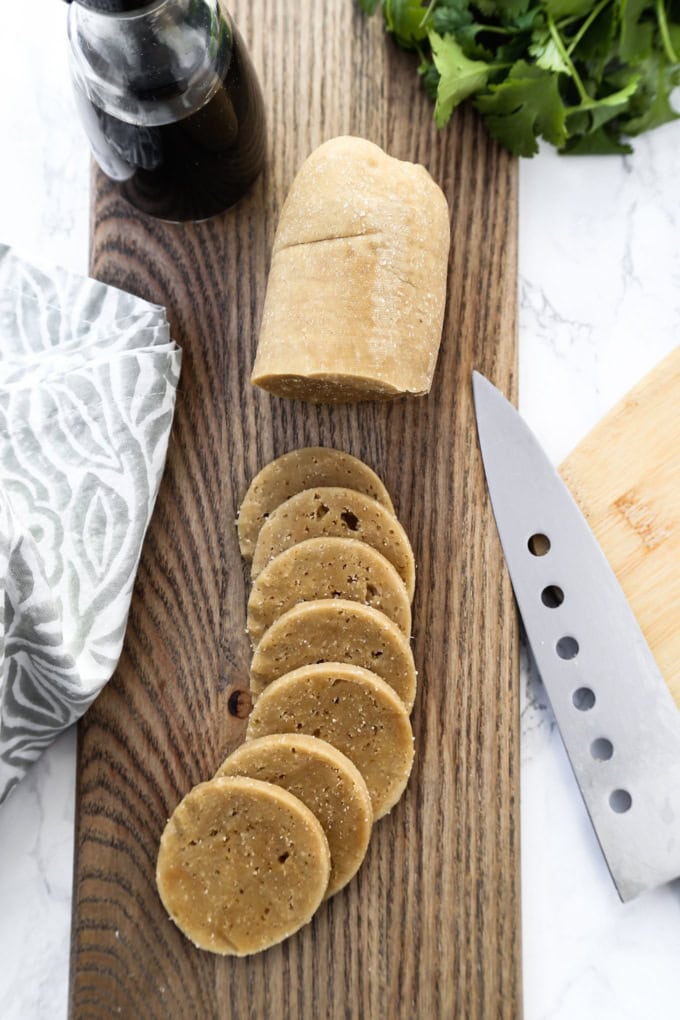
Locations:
column 567, row 647
column 539, row 544
column 552, row 596
column 620, row 801
column 602, row 749
column 583, row 699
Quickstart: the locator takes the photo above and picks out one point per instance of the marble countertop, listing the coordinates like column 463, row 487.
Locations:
column 599, row 306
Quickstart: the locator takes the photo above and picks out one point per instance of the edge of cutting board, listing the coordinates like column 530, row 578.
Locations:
column 430, row 926
column 625, row 476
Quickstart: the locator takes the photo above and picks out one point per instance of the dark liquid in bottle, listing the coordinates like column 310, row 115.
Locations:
column 192, row 167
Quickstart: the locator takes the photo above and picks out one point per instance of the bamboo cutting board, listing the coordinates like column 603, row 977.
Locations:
column 430, row 926
column 625, row 476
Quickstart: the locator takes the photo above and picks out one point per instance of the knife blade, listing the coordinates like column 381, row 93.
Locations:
column 616, row 716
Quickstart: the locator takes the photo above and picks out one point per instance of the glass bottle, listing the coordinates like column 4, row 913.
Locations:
column 170, row 102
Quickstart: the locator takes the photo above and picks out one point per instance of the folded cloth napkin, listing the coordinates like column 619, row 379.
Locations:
column 88, row 377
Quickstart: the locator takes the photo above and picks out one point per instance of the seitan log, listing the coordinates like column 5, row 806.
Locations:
column 357, row 287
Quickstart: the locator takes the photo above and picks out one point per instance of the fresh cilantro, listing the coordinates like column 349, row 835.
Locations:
column 597, row 143
column 458, row 76
column 583, row 75
column 545, row 53
column 636, row 38
column 406, row 20
column 558, row 9
column 430, row 78
column 651, row 106
column 451, row 17
column 527, row 104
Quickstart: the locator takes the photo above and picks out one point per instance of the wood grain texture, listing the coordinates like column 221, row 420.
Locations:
column 430, row 927
column 625, row 476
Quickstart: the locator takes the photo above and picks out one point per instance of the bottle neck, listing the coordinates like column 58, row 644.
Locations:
column 153, row 65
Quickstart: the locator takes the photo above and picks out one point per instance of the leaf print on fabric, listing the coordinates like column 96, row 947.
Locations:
column 102, row 521
column 88, row 379
column 40, row 694
column 43, row 524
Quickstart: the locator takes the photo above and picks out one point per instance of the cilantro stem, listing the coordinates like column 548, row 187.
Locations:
column 665, row 35
column 428, row 11
column 566, row 22
column 586, row 25
column 583, row 107
column 559, row 44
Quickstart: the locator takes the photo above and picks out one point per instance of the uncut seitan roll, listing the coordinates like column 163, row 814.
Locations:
column 357, row 286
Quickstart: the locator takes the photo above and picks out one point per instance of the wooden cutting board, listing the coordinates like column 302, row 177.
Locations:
column 430, row 927
column 625, row 476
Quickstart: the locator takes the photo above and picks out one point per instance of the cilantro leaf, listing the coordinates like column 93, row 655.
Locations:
column 635, row 39
column 597, row 35
column 597, row 143
column 450, row 16
column 406, row 20
column 454, row 17
column 603, row 113
column 527, row 104
column 559, row 9
column 544, row 50
column 584, row 75
column 505, row 10
column 652, row 107
column 586, row 123
column 430, row 78
column 459, row 76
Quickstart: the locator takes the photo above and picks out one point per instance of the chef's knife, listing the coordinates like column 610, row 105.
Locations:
column 617, row 718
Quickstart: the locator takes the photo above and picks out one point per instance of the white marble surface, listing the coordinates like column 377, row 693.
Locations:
column 600, row 305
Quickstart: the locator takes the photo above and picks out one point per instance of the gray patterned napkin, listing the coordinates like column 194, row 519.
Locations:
column 88, row 376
